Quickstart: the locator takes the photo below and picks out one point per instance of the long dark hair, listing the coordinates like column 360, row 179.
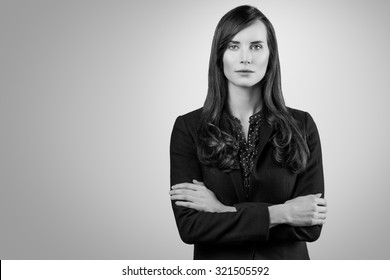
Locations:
column 216, row 145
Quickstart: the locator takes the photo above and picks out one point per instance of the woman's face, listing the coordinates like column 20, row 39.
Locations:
column 246, row 57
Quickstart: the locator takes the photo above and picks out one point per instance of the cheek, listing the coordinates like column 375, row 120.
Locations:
column 263, row 60
column 262, row 64
column 227, row 64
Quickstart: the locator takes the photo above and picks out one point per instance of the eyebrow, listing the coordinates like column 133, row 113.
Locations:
column 238, row 42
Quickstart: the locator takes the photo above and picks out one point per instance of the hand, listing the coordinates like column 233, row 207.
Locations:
column 306, row 210
column 197, row 196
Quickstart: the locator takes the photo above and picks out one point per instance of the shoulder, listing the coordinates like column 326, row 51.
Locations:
column 306, row 122
column 186, row 126
column 298, row 115
column 191, row 119
column 302, row 117
column 193, row 115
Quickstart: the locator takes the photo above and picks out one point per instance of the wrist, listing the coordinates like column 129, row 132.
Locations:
column 277, row 214
column 225, row 208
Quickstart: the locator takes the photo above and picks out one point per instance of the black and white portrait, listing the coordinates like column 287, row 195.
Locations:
column 95, row 131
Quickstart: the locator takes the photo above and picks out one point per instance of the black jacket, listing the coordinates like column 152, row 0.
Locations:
column 245, row 234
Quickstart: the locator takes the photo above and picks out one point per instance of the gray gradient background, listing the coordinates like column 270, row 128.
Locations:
column 89, row 92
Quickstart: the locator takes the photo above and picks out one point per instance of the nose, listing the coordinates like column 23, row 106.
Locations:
column 246, row 56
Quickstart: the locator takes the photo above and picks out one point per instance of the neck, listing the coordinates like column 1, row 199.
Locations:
column 244, row 102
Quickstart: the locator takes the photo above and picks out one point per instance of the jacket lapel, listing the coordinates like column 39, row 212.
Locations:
column 235, row 174
column 265, row 134
column 238, row 183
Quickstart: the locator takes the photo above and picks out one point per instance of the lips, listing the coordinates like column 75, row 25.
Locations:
column 246, row 71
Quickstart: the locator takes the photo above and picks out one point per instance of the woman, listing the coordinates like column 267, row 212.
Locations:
column 246, row 171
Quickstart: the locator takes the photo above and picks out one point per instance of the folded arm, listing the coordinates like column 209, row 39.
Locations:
column 249, row 222
column 309, row 182
column 201, row 217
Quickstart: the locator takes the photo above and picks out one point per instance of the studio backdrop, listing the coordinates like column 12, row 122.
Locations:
column 89, row 93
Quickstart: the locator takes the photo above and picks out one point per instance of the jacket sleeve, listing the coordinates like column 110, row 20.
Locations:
column 249, row 223
column 311, row 181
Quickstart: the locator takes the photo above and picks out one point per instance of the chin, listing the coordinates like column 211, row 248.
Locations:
column 246, row 84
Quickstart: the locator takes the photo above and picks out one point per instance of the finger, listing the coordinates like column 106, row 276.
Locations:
column 322, row 209
column 198, row 182
column 318, row 194
column 187, row 186
column 183, row 197
column 318, row 222
column 321, row 201
column 321, row 216
column 182, row 191
column 183, row 194
column 188, row 205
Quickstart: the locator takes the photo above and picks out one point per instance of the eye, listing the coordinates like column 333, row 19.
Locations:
column 256, row 47
column 233, row 47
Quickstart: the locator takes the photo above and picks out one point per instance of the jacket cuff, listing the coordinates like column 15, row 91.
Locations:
column 255, row 217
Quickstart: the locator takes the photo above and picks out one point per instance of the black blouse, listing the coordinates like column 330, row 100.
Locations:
column 247, row 150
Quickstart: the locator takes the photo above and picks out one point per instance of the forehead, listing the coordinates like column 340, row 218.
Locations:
column 254, row 32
